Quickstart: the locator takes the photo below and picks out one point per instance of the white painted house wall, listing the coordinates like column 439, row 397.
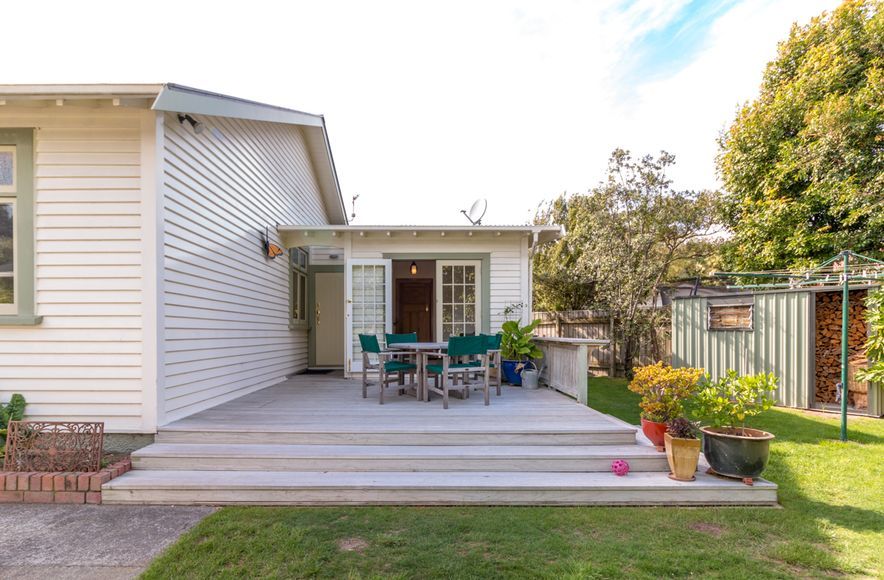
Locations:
column 84, row 362
column 226, row 307
column 510, row 275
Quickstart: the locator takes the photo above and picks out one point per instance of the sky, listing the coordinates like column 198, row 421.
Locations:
column 432, row 105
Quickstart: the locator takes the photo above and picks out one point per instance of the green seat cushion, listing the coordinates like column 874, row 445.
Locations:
column 436, row 369
column 394, row 366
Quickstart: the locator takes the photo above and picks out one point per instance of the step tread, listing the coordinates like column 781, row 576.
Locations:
column 295, row 451
column 476, row 480
column 478, row 427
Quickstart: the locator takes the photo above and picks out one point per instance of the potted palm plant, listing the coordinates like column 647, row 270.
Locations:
column 731, row 448
column 517, row 349
column 682, row 449
column 664, row 391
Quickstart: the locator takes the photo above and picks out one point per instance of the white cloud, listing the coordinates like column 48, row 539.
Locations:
column 431, row 105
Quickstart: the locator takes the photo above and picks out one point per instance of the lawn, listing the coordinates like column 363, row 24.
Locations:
column 832, row 523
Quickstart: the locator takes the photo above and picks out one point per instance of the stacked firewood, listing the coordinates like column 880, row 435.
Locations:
column 828, row 342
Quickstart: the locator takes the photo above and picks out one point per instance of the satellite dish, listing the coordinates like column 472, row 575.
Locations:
column 477, row 212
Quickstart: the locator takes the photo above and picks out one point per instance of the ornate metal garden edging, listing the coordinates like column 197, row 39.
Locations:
column 53, row 446
column 839, row 270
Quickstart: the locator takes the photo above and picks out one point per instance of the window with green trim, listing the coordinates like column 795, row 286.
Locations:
column 7, row 253
column 17, row 227
column 299, row 259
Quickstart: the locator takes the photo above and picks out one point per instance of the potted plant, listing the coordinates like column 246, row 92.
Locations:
column 517, row 348
column 14, row 410
column 682, row 449
column 664, row 391
column 732, row 449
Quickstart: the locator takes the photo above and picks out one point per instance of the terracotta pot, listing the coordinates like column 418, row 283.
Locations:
column 733, row 455
column 655, row 432
column 683, row 455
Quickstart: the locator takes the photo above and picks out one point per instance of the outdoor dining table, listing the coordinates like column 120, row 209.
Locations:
column 419, row 348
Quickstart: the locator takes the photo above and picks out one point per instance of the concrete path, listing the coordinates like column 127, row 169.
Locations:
column 99, row 542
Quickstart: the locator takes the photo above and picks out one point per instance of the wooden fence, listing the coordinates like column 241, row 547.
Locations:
column 596, row 324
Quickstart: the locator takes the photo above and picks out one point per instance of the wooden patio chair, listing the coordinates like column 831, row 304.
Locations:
column 492, row 344
column 447, row 372
column 389, row 368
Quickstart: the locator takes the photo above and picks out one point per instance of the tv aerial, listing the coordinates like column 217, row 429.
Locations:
column 477, row 211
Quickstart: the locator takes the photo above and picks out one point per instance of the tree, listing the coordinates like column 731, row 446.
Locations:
column 558, row 284
column 626, row 234
column 803, row 164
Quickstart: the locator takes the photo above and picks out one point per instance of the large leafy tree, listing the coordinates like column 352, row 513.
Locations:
column 803, row 164
column 626, row 235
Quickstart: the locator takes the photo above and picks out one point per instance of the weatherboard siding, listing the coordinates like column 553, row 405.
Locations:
column 84, row 361
column 226, row 307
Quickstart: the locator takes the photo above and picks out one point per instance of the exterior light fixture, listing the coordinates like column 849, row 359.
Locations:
column 413, row 268
column 194, row 124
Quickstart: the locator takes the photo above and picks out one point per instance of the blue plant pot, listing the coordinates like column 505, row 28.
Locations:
column 513, row 376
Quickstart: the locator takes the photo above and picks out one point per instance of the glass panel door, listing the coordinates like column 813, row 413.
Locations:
column 458, row 291
column 369, row 304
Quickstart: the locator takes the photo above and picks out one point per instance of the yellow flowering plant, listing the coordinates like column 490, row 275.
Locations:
column 664, row 390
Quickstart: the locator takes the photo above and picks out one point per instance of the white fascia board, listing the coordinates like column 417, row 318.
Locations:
column 84, row 91
column 179, row 99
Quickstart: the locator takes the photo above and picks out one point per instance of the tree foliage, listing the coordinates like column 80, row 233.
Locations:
column 803, row 164
column 625, row 236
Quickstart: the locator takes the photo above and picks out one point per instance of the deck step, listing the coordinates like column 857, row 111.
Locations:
column 424, row 488
column 240, row 457
column 452, row 435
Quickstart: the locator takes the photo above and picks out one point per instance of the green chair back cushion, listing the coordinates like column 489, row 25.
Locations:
column 407, row 337
column 466, row 345
column 492, row 341
column 369, row 343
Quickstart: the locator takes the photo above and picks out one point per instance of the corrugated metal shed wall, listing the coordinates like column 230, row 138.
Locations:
column 781, row 342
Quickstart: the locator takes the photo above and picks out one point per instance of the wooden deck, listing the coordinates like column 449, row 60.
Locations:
column 313, row 440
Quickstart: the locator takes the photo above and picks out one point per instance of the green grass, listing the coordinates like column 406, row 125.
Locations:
column 831, row 524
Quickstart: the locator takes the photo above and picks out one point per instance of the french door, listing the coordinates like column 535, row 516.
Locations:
column 458, row 298
column 368, row 287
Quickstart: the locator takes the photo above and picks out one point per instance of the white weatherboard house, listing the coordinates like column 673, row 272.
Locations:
column 137, row 288
column 134, row 288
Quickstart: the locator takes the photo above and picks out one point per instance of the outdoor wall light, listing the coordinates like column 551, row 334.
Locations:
column 413, row 268
column 194, row 124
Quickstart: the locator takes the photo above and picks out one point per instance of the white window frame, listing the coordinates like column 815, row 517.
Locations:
column 13, row 187
column 298, row 260
column 439, row 293
column 354, row 358
column 7, row 309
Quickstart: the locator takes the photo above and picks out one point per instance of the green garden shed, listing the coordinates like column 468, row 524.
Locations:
column 794, row 333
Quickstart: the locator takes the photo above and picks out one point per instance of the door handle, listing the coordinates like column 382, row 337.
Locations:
column 318, row 313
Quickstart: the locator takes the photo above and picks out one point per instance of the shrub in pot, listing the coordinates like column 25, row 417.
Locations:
column 14, row 410
column 664, row 391
column 517, row 349
column 731, row 448
column 682, row 449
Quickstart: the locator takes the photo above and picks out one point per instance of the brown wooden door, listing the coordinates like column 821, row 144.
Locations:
column 414, row 308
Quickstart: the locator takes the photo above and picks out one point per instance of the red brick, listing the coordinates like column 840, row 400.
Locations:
column 93, row 497
column 70, row 497
column 83, row 480
column 97, row 480
column 11, row 481
column 70, row 482
column 58, row 481
column 35, row 484
column 38, row 497
column 11, row 496
column 46, row 483
column 2, row 480
column 23, row 481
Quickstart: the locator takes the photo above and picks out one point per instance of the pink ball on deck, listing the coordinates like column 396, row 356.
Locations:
column 619, row 467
